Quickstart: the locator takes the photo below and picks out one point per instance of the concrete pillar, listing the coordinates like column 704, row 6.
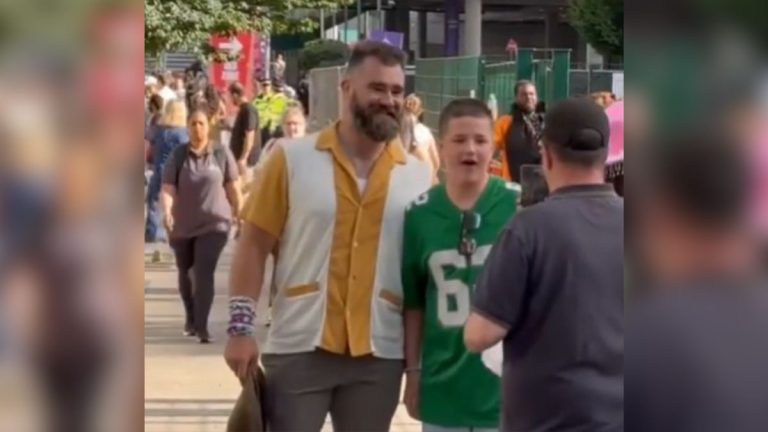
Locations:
column 322, row 24
column 390, row 20
column 422, row 35
column 403, row 20
column 359, row 20
column 451, row 47
column 473, row 27
column 552, row 28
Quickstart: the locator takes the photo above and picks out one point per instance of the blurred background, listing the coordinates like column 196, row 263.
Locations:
column 71, row 354
column 697, row 121
column 695, row 242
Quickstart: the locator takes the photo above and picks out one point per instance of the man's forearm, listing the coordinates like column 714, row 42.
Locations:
column 250, row 140
column 247, row 274
column 414, row 325
column 480, row 333
column 235, row 198
column 166, row 201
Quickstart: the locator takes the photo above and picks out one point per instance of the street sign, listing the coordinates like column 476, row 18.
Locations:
column 239, row 70
column 390, row 38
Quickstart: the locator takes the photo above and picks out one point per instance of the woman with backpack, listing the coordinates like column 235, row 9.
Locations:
column 201, row 200
column 169, row 133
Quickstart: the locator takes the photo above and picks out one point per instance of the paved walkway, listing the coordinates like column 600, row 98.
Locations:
column 187, row 386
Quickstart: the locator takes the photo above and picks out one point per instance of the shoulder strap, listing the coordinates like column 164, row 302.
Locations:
column 179, row 155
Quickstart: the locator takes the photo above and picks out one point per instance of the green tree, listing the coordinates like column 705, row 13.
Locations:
column 322, row 53
column 187, row 25
column 601, row 23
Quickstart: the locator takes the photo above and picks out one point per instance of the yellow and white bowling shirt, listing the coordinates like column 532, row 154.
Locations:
column 337, row 274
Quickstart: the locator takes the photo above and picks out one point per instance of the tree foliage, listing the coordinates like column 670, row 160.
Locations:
column 323, row 53
column 187, row 25
column 601, row 23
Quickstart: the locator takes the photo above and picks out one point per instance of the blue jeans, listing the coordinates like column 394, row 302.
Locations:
column 25, row 208
column 153, row 228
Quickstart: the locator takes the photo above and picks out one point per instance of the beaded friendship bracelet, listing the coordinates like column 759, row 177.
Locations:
column 242, row 316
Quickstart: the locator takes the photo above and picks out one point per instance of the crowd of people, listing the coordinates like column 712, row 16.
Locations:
column 202, row 145
column 397, row 254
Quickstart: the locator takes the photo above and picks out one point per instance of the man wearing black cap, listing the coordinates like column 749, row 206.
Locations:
column 552, row 288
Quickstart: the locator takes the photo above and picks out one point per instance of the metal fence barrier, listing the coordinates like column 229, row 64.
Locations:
column 324, row 96
column 440, row 80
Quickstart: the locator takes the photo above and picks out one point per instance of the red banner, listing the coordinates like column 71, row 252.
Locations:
column 240, row 70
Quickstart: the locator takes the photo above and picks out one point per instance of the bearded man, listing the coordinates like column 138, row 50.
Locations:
column 330, row 207
column 516, row 135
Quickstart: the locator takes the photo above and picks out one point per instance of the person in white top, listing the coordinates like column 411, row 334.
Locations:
column 166, row 92
column 417, row 138
column 293, row 125
column 278, row 67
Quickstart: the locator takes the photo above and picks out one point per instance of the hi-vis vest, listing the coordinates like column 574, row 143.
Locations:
column 309, row 242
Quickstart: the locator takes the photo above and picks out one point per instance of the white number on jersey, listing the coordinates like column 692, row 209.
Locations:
column 513, row 186
column 422, row 199
column 454, row 287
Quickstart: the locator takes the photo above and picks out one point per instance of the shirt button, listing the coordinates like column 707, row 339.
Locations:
column 354, row 244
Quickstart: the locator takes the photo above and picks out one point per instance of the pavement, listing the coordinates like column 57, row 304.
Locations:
column 187, row 386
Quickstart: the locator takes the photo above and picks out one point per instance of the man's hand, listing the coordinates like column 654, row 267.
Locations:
column 412, row 396
column 242, row 166
column 168, row 222
column 237, row 225
column 242, row 355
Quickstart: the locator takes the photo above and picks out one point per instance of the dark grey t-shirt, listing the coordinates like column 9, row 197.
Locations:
column 201, row 204
column 555, row 279
column 247, row 120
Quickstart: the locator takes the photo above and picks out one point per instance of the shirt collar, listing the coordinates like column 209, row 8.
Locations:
column 207, row 151
column 599, row 189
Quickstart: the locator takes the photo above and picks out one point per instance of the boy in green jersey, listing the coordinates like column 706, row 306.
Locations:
column 448, row 234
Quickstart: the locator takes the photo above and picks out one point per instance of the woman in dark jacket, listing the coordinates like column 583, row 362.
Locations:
column 200, row 198
column 170, row 133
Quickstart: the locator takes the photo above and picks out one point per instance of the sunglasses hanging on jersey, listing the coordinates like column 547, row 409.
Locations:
column 470, row 222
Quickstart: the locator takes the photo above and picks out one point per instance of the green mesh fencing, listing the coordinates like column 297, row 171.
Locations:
column 441, row 80
column 500, row 81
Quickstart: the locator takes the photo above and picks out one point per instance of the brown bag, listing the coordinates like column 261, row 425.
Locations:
column 249, row 414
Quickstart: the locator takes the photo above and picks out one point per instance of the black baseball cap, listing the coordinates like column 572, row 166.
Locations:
column 577, row 124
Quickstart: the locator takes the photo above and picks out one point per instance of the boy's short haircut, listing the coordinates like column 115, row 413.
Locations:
column 465, row 107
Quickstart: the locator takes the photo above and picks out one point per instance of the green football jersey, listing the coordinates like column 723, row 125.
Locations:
column 457, row 390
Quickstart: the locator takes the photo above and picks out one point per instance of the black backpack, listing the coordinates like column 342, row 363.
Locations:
column 180, row 155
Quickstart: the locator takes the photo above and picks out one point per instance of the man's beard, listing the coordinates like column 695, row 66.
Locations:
column 525, row 108
column 377, row 123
